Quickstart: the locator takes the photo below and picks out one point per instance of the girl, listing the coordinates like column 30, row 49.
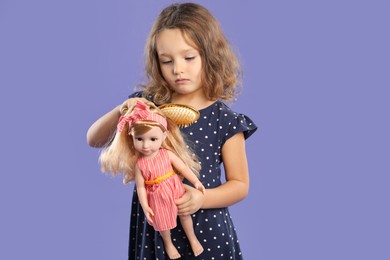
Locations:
column 189, row 61
column 147, row 156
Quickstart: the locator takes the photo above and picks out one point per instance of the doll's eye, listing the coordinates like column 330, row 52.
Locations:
column 153, row 139
column 139, row 139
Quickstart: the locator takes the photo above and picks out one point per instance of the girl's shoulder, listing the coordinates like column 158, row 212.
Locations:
column 228, row 120
column 219, row 107
column 141, row 94
column 221, row 111
column 136, row 94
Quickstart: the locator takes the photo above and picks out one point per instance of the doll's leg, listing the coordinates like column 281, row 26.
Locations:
column 186, row 222
column 168, row 245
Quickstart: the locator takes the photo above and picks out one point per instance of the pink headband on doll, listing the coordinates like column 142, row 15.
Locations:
column 141, row 112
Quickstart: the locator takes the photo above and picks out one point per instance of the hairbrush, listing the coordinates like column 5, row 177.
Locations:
column 182, row 115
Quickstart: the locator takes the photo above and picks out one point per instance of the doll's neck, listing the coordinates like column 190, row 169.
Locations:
column 151, row 156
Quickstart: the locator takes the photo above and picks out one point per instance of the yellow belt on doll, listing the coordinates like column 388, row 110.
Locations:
column 160, row 179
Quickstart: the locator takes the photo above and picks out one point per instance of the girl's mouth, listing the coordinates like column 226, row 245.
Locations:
column 181, row 81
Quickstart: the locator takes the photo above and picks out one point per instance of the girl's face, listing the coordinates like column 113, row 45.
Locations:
column 180, row 62
column 150, row 142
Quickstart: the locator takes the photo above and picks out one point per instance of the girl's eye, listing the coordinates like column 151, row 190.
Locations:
column 153, row 139
column 139, row 139
column 190, row 58
column 166, row 62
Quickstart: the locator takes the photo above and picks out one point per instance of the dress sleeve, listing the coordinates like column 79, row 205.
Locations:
column 235, row 123
column 137, row 94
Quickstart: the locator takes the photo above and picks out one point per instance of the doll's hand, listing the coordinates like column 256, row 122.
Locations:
column 129, row 104
column 149, row 213
column 190, row 202
column 199, row 186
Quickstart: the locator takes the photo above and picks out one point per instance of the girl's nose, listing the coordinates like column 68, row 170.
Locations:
column 177, row 68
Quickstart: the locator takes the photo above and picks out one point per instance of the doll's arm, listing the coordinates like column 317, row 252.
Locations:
column 141, row 191
column 102, row 129
column 186, row 171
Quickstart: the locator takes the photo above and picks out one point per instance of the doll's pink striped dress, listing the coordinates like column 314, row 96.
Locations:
column 161, row 196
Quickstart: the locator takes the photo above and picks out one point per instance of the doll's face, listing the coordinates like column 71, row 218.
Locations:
column 149, row 143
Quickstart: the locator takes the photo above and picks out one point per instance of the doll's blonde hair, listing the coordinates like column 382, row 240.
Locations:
column 220, row 66
column 120, row 157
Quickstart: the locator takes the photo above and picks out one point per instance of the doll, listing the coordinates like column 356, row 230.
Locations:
column 148, row 148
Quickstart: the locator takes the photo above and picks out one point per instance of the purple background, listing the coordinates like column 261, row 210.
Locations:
column 316, row 81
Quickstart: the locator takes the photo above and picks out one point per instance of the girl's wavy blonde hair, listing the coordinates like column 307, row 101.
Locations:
column 220, row 66
column 120, row 157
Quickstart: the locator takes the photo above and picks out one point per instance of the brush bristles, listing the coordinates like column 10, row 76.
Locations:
column 182, row 115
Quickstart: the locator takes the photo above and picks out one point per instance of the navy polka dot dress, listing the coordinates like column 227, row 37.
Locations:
column 213, row 227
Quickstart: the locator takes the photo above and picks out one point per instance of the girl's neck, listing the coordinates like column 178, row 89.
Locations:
column 198, row 102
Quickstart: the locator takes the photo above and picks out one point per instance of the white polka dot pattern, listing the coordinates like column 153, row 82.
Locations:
column 213, row 227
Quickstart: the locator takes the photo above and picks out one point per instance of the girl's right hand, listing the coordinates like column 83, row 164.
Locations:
column 129, row 104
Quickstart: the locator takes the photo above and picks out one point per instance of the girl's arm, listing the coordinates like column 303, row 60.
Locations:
column 141, row 191
column 232, row 191
column 186, row 171
column 236, row 187
column 102, row 129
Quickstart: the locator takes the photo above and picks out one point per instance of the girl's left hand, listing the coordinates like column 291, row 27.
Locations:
column 191, row 201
